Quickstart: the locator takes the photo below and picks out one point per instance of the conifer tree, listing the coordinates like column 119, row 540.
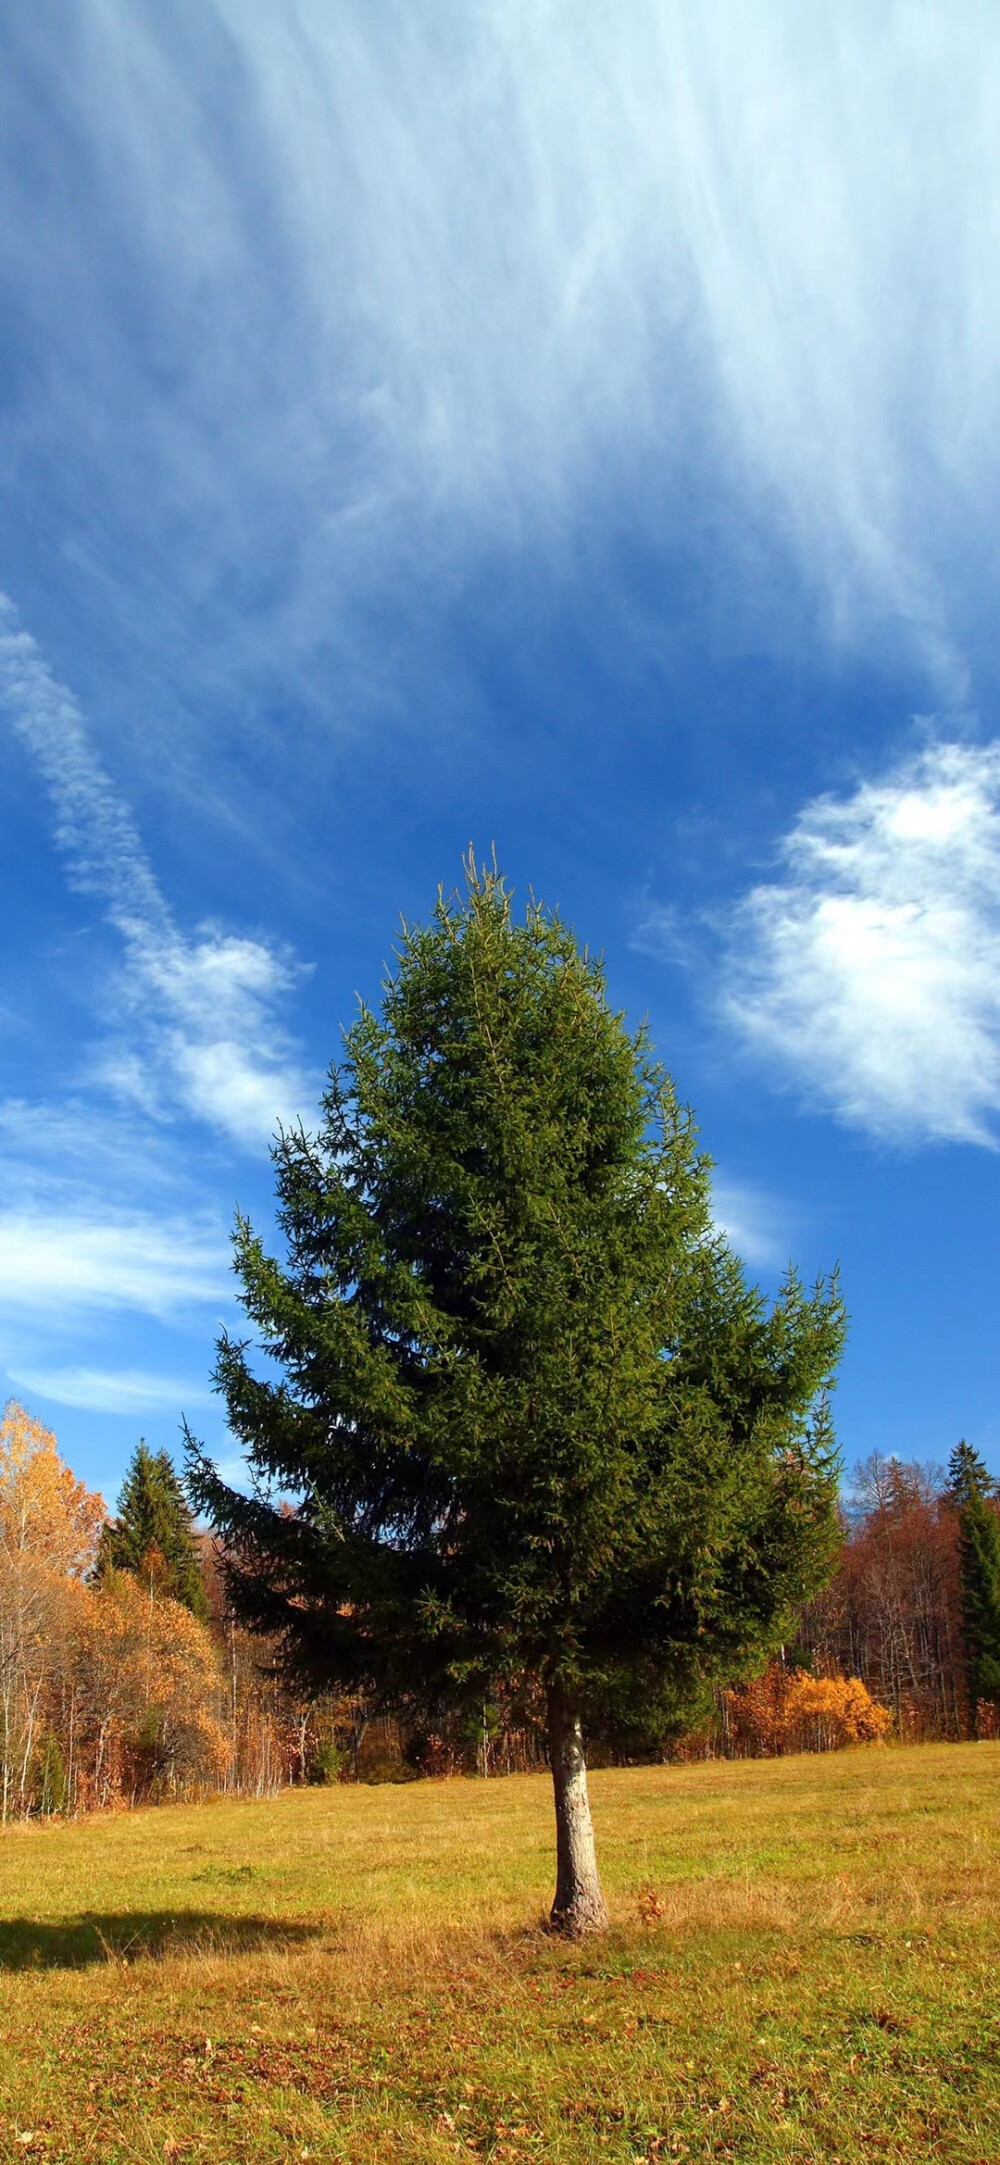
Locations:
column 153, row 1531
column 531, row 1416
column 974, row 1495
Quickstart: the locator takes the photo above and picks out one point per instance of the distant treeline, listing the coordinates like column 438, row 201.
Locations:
column 914, row 1607
column 123, row 1679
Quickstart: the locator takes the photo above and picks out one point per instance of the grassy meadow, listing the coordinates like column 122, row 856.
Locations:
column 803, row 1965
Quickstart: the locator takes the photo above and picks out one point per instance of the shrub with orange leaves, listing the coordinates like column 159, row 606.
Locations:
column 823, row 1713
column 790, row 1710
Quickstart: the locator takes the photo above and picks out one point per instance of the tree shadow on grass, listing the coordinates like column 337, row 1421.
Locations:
column 70, row 1943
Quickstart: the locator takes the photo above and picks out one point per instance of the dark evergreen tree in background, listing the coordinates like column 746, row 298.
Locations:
column 975, row 1496
column 532, row 1419
column 153, row 1531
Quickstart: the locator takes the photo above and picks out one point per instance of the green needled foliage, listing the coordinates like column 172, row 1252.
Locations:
column 979, row 1568
column 529, row 1416
column 153, row 1531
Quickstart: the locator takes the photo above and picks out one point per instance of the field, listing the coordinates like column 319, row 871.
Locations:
column 803, row 1965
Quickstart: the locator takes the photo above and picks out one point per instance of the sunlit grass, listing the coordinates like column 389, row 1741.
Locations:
column 802, row 1966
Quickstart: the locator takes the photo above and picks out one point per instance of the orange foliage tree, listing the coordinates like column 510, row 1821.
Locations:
column 150, row 1694
column 50, row 1526
column 892, row 1614
column 107, row 1692
column 111, row 1692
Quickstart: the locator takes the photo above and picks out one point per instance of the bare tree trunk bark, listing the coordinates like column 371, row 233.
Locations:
column 357, row 1739
column 579, row 1904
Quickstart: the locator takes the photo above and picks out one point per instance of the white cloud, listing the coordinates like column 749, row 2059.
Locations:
column 236, row 1472
column 55, row 1148
column 871, row 971
column 450, row 267
column 56, row 1264
column 103, row 1225
column 661, row 929
column 124, row 1391
column 205, row 1008
column 753, row 1223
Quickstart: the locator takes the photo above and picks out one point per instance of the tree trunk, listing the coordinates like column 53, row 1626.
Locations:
column 579, row 1903
column 357, row 1739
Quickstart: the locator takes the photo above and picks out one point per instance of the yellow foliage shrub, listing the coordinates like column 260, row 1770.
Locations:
column 826, row 1712
column 787, row 1710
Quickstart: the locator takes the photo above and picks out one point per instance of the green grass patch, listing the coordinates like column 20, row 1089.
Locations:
column 802, row 1967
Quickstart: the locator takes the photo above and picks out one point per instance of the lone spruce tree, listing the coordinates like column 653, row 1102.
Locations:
column 974, row 1494
column 153, row 1532
column 530, row 1415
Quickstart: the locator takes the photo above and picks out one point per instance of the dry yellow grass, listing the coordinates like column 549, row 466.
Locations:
column 802, row 1966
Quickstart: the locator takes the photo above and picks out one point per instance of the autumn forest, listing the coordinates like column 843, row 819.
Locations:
column 126, row 1680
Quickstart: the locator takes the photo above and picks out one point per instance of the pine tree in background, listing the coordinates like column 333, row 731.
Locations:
column 967, row 1476
column 153, row 1532
column 974, row 1495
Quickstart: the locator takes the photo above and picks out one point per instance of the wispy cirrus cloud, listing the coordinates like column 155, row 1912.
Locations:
column 869, row 973
column 117, row 1391
column 115, row 1266
column 204, row 1010
column 100, row 1228
column 56, row 1263
column 746, row 224
column 754, row 1223
column 405, row 285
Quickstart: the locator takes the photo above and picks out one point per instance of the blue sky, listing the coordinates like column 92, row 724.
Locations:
column 559, row 426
